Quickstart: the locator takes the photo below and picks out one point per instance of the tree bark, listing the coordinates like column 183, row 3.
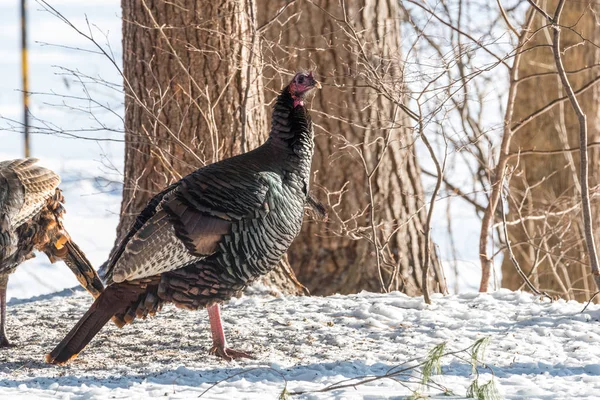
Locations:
column 193, row 93
column 552, row 250
column 340, row 256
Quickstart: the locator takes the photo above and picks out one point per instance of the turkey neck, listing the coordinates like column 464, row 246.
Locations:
column 292, row 134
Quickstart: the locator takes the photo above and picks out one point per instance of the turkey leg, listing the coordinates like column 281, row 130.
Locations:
column 3, row 339
column 219, row 347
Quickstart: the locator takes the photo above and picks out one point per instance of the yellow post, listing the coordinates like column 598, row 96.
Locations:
column 25, row 72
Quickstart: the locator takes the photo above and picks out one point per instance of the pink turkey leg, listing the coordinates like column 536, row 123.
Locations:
column 219, row 347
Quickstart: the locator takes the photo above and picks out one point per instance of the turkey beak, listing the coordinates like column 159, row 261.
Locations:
column 318, row 84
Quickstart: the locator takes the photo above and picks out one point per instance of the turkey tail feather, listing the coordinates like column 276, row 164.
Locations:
column 83, row 270
column 113, row 300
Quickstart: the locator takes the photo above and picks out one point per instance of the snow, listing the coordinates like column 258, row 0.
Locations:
column 537, row 349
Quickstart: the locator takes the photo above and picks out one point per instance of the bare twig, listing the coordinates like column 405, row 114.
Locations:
column 519, row 125
column 243, row 372
column 552, row 152
column 590, row 302
column 542, row 11
column 440, row 176
column 506, row 20
column 395, row 372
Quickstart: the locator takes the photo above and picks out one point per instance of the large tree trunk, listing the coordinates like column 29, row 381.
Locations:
column 551, row 249
column 193, row 93
column 340, row 256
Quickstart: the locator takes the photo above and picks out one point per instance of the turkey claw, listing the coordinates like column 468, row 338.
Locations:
column 229, row 354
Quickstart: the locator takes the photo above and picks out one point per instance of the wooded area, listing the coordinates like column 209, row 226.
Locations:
column 545, row 225
column 468, row 105
column 199, row 79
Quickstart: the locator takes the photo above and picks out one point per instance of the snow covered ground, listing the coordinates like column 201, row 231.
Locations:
column 537, row 349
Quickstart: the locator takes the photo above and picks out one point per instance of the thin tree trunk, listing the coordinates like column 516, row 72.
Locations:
column 193, row 93
column 552, row 251
column 340, row 256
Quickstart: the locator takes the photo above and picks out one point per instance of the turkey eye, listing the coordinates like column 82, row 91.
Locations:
column 301, row 79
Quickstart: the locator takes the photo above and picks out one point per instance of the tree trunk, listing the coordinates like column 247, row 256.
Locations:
column 350, row 119
column 551, row 249
column 193, row 93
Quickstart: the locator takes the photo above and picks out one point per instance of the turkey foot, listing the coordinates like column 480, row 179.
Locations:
column 219, row 347
column 229, row 354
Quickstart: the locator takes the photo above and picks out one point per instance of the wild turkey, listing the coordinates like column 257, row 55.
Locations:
column 205, row 238
column 31, row 210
